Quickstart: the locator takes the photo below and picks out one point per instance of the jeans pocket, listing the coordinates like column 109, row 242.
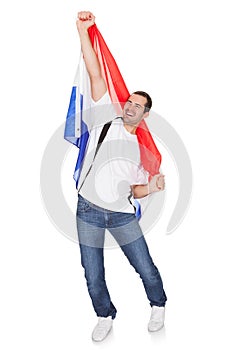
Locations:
column 83, row 206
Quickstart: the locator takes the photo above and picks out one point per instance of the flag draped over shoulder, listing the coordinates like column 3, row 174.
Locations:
column 76, row 129
column 150, row 155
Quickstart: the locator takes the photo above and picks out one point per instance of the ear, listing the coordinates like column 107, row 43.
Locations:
column 145, row 115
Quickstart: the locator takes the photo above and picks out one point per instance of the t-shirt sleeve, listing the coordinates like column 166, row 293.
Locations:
column 105, row 99
column 140, row 177
column 102, row 111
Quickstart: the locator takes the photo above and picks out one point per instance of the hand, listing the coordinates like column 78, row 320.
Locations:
column 157, row 183
column 85, row 19
column 160, row 182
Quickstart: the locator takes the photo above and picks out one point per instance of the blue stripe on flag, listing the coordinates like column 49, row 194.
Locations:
column 69, row 134
column 82, row 144
column 138, row 212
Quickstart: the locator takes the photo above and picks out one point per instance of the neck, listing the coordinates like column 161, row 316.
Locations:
column 131, row 128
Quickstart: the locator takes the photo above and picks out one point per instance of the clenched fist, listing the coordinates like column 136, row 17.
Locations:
column 85, row 19
column 157, row 183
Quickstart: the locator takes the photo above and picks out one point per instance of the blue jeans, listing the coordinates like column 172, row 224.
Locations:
column 124, row 227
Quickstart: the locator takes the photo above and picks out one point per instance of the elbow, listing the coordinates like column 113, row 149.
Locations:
column 139, row 191
column 95, row 74
column 135, row 192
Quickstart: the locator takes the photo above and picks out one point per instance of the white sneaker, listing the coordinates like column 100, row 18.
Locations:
column 157, row 318
column 102, row 328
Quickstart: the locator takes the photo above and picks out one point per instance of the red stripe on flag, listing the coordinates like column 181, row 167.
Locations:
column 149, row 153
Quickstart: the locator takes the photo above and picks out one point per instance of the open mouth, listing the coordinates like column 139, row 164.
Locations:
column 129, row 114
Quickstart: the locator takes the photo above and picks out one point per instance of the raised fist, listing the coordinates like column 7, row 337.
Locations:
column 85, row 19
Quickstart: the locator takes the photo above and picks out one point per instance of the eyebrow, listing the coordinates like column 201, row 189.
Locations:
column 136, row 104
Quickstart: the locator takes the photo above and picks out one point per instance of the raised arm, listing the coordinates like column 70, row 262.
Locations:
column 86, row 19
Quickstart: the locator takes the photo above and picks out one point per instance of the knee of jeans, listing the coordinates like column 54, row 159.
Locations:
column 150, row 275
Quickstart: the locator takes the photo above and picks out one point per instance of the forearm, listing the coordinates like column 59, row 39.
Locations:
column 140, row 191
column 98, row 86
column 90, row 58
column 156, row 184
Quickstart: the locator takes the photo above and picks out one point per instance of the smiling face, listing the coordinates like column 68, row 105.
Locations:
column 134, row 110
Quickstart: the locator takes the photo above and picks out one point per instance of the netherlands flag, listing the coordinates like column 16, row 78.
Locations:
column 79, row 118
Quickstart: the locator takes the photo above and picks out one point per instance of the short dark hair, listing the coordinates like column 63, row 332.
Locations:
column 148, row 104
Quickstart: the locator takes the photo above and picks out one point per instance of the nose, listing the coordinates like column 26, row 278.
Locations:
column 130, row 107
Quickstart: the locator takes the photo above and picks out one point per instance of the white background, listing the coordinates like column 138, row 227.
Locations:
column 180, row 52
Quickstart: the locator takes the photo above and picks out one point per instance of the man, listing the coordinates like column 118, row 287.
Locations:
column 105, row 191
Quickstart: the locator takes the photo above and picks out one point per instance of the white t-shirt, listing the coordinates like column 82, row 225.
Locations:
column 117, row 164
